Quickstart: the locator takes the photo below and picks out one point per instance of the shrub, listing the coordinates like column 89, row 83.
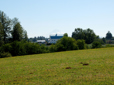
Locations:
column 6, row 48
column 96, row 44
column 66, row 43
column 5, row 54
column 109, row 45
column 32, row 48
column 81, row 44
column 44, row 49
column 88, row 46
column 18, row 48
column 60, row 47
column 52, row 48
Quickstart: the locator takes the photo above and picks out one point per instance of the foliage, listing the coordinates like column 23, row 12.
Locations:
column 5, row 54
column 6, row 32
column 1, row 34
column 109, row 45
column 65, row 35
column 99, row 40
column 25, row 36
column 6, row 24
column 96, row 44
column 52, row 48
column 44, row 49
column 81, row 44
column 88, row 46
column 88, row 35
column 66, row 43
column 17, row 32
column 104, row 40
column 109, row 35
column 17, row 48
column 6, row 48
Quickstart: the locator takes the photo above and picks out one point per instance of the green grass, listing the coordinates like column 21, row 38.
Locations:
column 50, row 69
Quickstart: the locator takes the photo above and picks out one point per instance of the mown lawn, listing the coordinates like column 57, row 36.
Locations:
column 82, row 67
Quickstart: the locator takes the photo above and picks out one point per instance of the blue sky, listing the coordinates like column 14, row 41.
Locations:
column 46, row 17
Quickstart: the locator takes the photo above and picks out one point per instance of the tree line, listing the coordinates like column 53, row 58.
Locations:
column 14, row 40
column 37, row 38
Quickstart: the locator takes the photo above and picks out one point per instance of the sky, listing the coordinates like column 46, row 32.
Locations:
column 47, row 17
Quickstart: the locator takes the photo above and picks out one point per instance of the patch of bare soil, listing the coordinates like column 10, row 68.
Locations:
column 68, row 68
column 84, row 64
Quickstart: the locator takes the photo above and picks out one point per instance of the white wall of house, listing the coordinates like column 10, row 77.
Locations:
column 53, row 41
column 41, row 41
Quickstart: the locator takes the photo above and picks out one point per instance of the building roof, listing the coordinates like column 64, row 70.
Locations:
column 55, row 37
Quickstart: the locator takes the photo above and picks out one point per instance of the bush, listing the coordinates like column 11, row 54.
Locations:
column 66, row 43
column 88, row 46
column 96, row 44
column 81, row 44
column 18, row 48
column 32, row 48
column 44, row 49
column 109, row 45
column 5, row 54
column 60, row 47
column 6, row 48
column 52, row 48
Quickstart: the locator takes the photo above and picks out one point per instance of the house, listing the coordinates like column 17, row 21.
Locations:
column 54, row 39
column 41, row 41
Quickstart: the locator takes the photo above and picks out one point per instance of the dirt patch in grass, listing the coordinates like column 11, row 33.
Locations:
column 68, row 68
column 31, row 73
column 84, row 64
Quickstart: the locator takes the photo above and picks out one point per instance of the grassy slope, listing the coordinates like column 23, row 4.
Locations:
column 50, row 69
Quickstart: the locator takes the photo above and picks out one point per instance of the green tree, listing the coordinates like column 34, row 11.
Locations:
column 1, row 35
column 52, row 48
column 78, row 34
column 66, row 34
column 17, row 32
column 88, row 35
column 6, row 24
column 96, row 44
column 66, row 43
column 109, row 35
column 81, row 44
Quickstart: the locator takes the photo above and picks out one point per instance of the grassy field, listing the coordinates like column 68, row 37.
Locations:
column 82, row 67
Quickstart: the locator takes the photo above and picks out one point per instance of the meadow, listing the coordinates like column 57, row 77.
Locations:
column 80, row 67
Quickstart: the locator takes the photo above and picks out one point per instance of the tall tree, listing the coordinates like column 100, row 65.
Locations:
column 78, row 34
column 109, row 35
column 17, row 33
column 1, row 34
column 6, row 24
column 88, row 35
